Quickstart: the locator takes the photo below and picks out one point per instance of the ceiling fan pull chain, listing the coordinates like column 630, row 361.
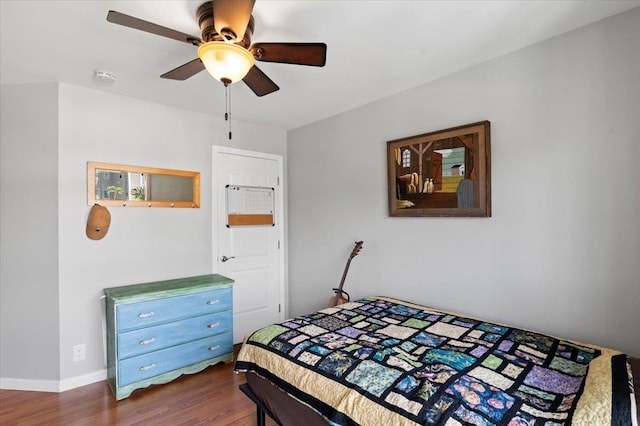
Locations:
column 227, row 104
column 229, row 90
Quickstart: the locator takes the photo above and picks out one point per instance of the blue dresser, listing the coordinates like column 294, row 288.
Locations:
column 157, row 331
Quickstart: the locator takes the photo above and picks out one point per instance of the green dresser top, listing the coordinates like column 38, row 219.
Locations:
column 130, row 293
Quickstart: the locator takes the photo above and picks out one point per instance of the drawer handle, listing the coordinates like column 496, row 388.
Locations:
column 147, row 367
column 147, row 341
column 214, row 348
column 214, row 325
column 213, row 302
column 146, row 314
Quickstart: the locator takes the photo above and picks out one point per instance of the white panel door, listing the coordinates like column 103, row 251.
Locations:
column 251, row 255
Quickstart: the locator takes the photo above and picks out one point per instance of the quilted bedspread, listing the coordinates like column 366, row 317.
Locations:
column 383, row 361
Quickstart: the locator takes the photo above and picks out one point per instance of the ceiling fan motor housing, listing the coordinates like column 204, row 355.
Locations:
column 209, row 33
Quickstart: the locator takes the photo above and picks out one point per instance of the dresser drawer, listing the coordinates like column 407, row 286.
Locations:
column 154, row 363
column 143, row 314
column 137, row 342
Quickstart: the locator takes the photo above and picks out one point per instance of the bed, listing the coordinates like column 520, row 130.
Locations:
column 383, row 361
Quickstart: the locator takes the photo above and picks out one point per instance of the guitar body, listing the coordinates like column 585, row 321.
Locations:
column 342, row 296
column 338, row 299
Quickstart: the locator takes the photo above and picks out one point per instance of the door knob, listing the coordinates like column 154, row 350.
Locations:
column 225, row 258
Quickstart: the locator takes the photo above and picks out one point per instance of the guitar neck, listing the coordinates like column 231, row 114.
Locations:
column 342, row 296
column 353, row 254
column 344, row 275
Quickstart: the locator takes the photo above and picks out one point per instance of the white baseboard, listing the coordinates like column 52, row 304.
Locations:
column 85, row 379
column 29, row 385
column 52, row 385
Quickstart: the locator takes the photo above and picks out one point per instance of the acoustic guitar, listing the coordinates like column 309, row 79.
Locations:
column 342, row 296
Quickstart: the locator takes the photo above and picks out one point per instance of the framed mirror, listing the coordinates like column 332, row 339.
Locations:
column 136, row 186
column 441, row 173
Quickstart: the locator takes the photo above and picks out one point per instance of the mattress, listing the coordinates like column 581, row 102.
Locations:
column 385, row 361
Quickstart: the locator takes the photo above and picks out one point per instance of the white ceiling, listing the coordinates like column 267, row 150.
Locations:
column 374, row 48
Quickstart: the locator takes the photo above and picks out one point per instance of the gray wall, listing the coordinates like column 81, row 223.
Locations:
column 142, row 244
column 52, row 274
column 561, row 252
column 29, row 328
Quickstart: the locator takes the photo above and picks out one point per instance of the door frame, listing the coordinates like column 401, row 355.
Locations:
column 218, row 194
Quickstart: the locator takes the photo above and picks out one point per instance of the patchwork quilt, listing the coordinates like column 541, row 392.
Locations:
column 383, row 361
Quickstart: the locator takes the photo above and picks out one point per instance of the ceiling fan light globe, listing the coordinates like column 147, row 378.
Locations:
column 226, row 61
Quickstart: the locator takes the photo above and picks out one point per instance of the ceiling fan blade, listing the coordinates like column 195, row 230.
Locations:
column 259, row 82
column 139, row 24
column 314, row 54
column 232, row 15
column 185, row 71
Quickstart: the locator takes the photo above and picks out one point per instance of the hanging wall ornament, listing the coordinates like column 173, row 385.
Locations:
column 98, row 222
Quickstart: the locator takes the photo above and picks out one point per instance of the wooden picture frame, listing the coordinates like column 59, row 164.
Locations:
column 442, row 173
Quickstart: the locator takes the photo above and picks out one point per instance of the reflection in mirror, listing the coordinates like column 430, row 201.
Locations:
column 123, row 185
column 443, row 173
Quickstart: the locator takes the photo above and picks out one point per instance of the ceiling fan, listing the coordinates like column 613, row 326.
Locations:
column 225, row 48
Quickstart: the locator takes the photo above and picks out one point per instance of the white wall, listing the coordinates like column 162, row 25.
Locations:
column 561, row 253
column 29, row 232
column 141, row 245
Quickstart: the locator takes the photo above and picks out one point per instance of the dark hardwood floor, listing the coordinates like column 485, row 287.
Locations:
column 210, row 397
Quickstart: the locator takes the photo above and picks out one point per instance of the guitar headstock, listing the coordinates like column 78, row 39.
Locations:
column 356, row 249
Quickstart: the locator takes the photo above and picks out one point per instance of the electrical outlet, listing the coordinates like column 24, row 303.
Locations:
column 79, row 352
